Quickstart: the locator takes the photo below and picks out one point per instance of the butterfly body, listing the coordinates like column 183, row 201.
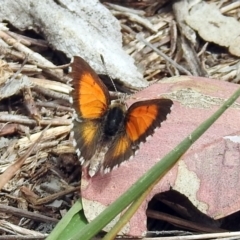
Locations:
column 114, row 119
column 106, row 134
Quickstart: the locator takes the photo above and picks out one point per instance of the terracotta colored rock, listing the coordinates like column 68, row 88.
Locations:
column 208, row 174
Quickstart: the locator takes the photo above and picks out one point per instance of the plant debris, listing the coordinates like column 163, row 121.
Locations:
column 42, row 170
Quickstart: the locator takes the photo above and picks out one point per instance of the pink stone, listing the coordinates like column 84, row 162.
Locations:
column 208, row 174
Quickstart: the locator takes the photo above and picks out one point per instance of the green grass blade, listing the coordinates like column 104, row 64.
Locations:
column 69, row 224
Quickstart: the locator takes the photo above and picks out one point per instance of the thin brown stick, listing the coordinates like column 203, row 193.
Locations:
column 23, row 213
column 183, row 223
column 19, row 231
column 48, row 199
column 179, row 67
column 51, row 93
column 17, row 237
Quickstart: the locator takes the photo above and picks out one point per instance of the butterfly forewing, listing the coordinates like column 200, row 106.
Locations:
column 90, row 96
column 143, row 117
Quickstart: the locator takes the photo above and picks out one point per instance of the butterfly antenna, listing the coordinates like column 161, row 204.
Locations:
column 105, row 68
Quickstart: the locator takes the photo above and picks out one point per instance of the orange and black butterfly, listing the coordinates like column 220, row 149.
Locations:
column 106, row 134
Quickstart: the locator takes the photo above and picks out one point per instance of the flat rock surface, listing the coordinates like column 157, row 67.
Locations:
column 208, row 174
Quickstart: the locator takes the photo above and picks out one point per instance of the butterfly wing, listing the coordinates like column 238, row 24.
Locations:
column 90, row 99
column 140, row 121
column 87, row 135
column 144, row 116
column 119, row 151
column 90, row 96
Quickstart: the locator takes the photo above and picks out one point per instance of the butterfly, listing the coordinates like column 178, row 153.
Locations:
column 105, row 132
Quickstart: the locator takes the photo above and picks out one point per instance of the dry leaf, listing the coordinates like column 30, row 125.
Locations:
column 212, row 26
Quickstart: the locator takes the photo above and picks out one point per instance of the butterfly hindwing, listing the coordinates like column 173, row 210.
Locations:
column 87, row 135
column 90, row 96
column 119, row 151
